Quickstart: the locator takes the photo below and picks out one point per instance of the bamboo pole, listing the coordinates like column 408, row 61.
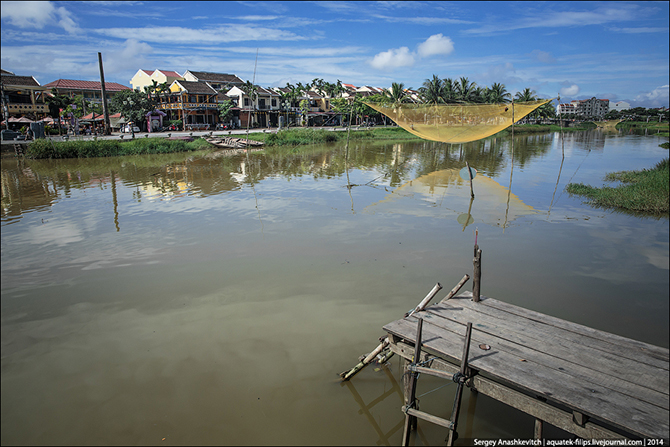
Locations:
column 422, row 305
column 410, row 397
column 346, row 375
column 456, row 288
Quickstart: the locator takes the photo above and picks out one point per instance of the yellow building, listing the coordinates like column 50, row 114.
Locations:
column 195, row 103
column 145, row 78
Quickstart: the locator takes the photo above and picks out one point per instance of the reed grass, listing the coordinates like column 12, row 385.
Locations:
column 644, row 191
column 45, row 148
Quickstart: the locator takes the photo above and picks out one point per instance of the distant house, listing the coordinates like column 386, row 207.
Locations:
column 263, row 112
column 218, row 81
column 145, row 78
column 90, row 90
column 195, row 103
column 24, row 95
column 585, row 108
column 620, row 106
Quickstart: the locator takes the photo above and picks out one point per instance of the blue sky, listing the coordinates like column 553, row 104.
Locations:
column 613, row 50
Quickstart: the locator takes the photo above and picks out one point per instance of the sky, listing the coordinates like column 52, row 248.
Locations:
column 575, row 50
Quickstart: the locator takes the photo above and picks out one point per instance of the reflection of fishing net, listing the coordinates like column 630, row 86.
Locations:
column 457, row 123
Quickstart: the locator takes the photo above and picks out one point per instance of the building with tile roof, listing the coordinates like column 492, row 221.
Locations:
column 24, row 96
column 91, row 91
column 217, row 81
column 195, row 103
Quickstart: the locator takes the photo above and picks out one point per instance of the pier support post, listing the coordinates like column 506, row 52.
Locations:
column 459, row 391
column 539, row 425
column 477, row 274
column 410, row 392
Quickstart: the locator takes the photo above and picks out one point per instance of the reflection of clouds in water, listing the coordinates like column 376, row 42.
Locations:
column 621, row 254
column 657, row 256
column 52, row 232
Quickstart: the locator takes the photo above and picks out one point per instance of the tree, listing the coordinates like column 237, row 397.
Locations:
column 448, row 91
column 397, row 94
column 57, row 103
column 525, row 95
column 304, row 109
column 465, row 90
column 225, row 110
column 132, row 104
column 431, row 91
column 498, row 94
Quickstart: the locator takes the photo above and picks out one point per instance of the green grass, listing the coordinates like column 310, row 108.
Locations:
column 44, row 148
column 296, row 137
column 644, row 191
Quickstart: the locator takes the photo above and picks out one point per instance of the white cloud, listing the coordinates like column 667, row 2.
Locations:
column 659, row 97
column 570, row 90
column 31, row 14
column 436, row 44
column 393, row 58
column 181, row 35
column 543, row 56
column 402, row 57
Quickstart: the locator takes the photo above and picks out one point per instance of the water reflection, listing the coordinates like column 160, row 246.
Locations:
column 444, row 193
column 162, row 288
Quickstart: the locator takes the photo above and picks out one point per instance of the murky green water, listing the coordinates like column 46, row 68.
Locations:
column 211, row 299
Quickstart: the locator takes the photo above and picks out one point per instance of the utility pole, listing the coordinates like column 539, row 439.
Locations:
column 104, row 96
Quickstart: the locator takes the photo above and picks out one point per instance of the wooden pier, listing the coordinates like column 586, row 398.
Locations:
column 590, row 383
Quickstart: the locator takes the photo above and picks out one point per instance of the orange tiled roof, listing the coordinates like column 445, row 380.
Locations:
column 72, row 84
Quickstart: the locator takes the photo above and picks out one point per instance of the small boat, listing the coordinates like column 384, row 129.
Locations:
column 233, row 143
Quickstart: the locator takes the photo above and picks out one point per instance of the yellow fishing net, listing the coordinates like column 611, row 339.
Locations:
column 457, row 123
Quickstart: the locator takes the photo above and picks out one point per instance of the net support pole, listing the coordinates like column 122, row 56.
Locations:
column 472, row 192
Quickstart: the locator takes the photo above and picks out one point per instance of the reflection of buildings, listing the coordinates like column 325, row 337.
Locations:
column 23, row 190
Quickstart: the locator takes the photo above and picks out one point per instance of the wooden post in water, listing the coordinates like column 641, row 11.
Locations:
column 477, row 274
column 410, row 392
column 459, row 391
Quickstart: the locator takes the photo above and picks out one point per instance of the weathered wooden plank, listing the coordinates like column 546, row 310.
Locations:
column 518, row 400
column 601, row 341
column 430, row 418
column 635, row 416
column 624, row 375
column 656, row 355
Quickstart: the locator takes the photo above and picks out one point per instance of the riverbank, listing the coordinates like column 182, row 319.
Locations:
column 644, row 191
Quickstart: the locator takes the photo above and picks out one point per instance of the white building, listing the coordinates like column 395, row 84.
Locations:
column 619, row 106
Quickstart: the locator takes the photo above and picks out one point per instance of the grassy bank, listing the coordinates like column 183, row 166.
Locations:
column 645, row 191
column 44, row 148
column 538, row 128
column 653, row 125
column 296, row 137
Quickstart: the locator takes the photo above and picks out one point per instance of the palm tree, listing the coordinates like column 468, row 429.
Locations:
column 525, row 95
column 465, row 90
column 498, row 94
column 397, row 94
column 431, row 92
column 448, row 90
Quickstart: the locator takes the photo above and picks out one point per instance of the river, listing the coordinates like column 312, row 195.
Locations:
column 212, row 299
